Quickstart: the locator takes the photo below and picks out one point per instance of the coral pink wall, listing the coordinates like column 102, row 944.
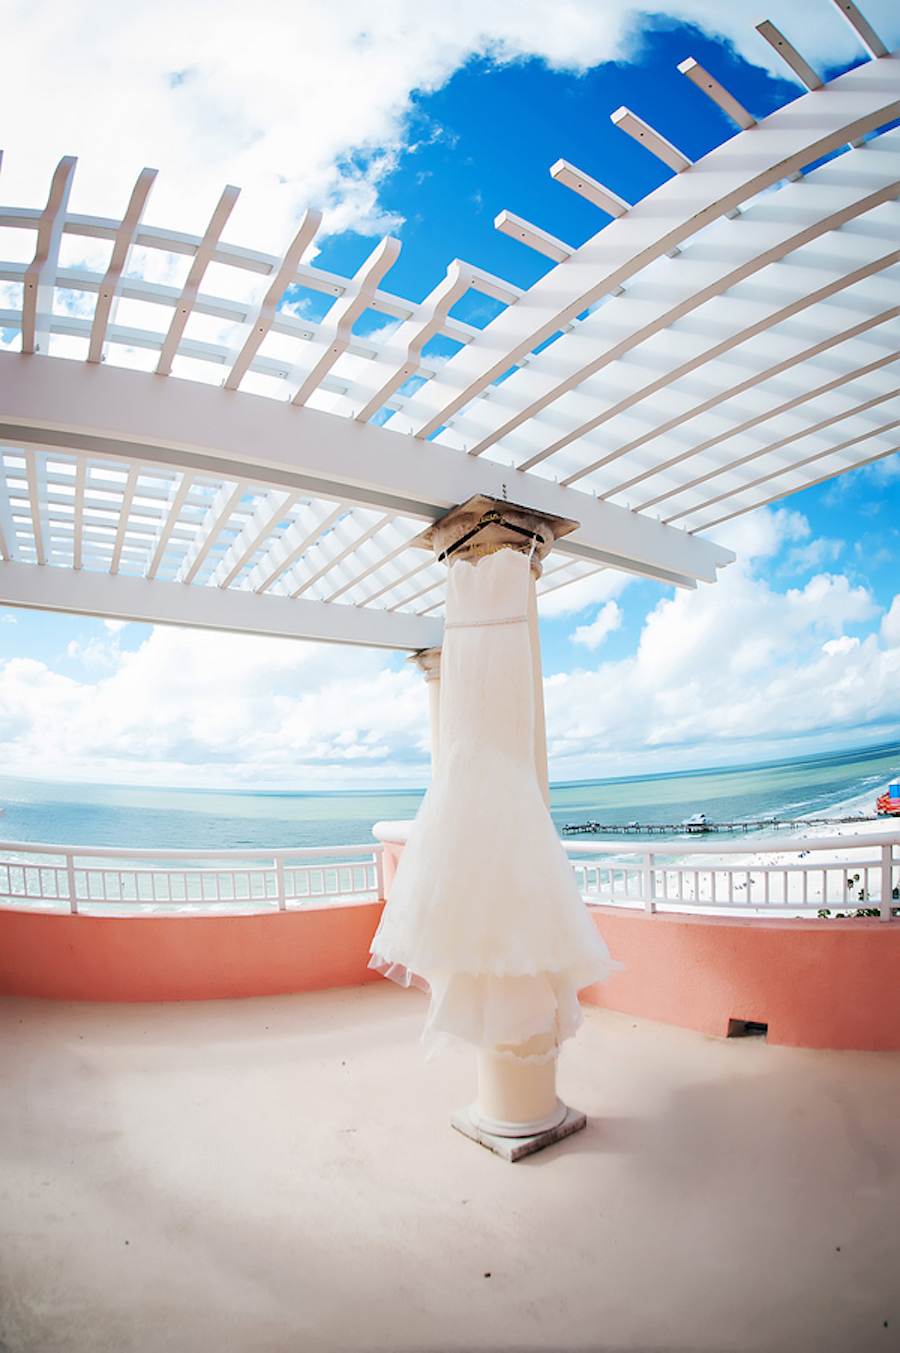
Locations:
column 184, row 958
column 816, row 983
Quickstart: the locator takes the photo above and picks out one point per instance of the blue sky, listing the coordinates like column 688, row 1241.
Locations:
column 486, row 140
column 428, row 123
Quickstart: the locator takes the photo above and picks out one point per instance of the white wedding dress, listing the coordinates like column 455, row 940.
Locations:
column 484, row 910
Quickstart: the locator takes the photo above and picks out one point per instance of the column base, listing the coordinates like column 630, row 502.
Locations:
column 471, row 1124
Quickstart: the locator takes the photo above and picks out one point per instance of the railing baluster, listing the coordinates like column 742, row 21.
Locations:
column 631, row 878
column 648, row 885
column 70, row 875
column 887, row 882
column 803, row 886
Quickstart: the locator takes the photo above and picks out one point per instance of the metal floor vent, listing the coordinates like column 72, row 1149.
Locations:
column 747, row 1028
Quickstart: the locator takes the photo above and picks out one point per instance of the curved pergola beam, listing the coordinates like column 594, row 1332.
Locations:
column 785, row 142
column 770, row 232
column 729, row 339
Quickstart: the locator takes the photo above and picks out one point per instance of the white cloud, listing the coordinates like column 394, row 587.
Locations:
column 276, row 95
column 95, row 652
column 609, row 618
column 760, row 535
column 577, row 596
column 890, row 625
column 730, row 668
column 733, row 670
column 208, row 708
column 845, row 644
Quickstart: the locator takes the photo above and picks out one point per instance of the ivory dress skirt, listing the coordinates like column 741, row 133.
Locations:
column 484, row 910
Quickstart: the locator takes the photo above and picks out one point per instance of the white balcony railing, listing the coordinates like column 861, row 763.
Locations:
column 839, row 874
column 98, row 881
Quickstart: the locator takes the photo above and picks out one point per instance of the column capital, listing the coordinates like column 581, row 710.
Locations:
column 428, row 661
column 482, row 525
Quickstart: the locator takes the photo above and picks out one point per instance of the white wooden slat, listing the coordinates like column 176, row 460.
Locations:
column 335, row 332
column 862, row 26
column 307, row 527
column 261, row 322
column 228, row 609
column 725, row 178
column 711, row 399
column 124, row 514
column 815, row 394
column 402, row 353
column 788, row 53
column 155, row 293
column 830, row 458
column 170, row 520
column 38, row 282
column 217, row 515
column 567, row 571
column 9, row 549
column 651, row 139
column 339, row 558
column 760, row 237
column 397, row 577
column 532, row 236
column 788, row 349
column 487, row 284
column 35, row 501
column 78, row 515
column 425, row 591
column 202, row 259
column 729, row 321
column 268, row 512
column 834, row 429
column 718, row 93
column 589, row 188
column 370, row 557
column 347, row 533
column 124, row 242
column 346, row 573
column 791, row 478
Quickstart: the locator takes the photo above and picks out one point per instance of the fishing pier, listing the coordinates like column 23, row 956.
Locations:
column 701, row 826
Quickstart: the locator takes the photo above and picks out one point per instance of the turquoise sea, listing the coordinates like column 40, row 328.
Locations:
column 152, row 818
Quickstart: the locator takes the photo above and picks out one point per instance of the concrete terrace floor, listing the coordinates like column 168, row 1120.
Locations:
column 272, row 1175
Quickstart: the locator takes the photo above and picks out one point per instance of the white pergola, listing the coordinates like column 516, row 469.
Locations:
column 181, row 444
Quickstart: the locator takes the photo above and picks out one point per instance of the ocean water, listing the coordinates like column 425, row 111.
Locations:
column 125, row 817
column 830, row 785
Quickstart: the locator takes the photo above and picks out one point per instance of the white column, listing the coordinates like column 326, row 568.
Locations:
column 428, row 661
column 516, row 1096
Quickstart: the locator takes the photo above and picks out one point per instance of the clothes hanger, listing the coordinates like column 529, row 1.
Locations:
column 493, row 518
